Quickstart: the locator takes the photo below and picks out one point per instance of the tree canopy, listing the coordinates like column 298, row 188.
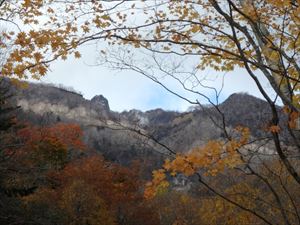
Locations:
column 179, row 40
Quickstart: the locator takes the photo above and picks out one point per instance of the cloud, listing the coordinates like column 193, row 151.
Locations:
column 126, row 90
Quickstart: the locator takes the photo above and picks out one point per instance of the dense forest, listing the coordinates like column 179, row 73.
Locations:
column 68, row 160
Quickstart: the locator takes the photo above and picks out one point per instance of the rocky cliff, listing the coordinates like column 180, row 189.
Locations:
column 133, row 134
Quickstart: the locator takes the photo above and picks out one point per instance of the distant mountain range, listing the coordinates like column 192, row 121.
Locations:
column 134, row 134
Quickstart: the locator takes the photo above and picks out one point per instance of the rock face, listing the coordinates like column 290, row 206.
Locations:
column 64, row 104
column 104, row 130
column 254, row 111
column 122, row 137
column 101, row 103
column 248, row 111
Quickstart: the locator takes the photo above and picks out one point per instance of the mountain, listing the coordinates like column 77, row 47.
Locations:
column 105, row 131
column 123, row 137
column 249, row 111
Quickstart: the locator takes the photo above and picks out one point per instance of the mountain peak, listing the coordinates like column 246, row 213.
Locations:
column 242, row 97
column 101, row 101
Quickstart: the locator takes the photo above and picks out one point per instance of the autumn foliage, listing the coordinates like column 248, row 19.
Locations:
column 53, row 178
column 48, row 175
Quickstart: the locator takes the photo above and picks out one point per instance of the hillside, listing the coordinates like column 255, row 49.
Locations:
column 118, row 135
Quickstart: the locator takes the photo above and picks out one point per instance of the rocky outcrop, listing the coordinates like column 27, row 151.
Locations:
column 248, row 111
column 43, row 99
column 101, row 103
column 123, row 136
column 105, row 131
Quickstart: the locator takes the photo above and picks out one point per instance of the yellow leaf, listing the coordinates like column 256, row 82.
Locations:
column 195, row 28
column 77, row 55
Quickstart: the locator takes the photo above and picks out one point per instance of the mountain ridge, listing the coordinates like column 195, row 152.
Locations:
column 128, row 135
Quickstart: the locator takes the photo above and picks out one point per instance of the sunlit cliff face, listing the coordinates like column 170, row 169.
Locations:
column 78, row 113
column 41, row 99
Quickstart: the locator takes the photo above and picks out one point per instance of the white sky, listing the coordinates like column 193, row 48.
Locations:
column 127, row 90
